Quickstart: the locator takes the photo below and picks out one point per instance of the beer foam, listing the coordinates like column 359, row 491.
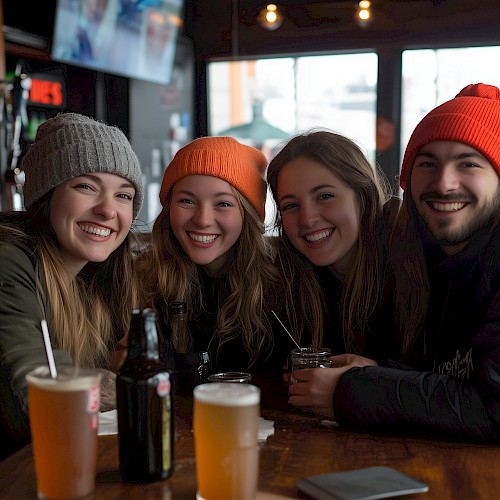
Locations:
column 227, row 394
column 68, row 379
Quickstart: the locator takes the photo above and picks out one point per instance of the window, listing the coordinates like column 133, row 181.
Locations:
column 431, row 77
column 263, row 102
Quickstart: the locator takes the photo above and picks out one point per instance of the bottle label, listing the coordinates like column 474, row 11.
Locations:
column 93, row 399
column 163, row 384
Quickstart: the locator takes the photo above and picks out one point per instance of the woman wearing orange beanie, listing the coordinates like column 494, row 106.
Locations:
column 209, row 251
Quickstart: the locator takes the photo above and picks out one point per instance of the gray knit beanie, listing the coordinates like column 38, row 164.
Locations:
column 70, row 145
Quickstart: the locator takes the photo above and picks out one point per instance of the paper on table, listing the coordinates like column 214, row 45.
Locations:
column 108, row 424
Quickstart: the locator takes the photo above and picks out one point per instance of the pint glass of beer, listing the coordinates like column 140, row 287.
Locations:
column 64, row 420
column 226, row 428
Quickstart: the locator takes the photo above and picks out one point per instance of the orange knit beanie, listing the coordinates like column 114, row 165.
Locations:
column 223, row 157
column 472, row 117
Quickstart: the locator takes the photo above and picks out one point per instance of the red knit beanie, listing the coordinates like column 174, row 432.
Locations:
column 472, row 117
column 223, row 157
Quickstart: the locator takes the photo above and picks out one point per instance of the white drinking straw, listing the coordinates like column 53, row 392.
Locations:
column 284, row 328
column 48, row 349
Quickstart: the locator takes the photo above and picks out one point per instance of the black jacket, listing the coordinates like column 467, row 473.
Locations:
column 455, row 390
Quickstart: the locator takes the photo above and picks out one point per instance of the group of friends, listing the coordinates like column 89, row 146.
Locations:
column 406, row 293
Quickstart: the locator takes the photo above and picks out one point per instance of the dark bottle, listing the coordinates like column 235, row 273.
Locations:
column 145, row 405
column 179, row 328
column 192, row 368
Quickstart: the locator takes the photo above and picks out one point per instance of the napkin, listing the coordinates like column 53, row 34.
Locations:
column 266, row 429
column 108, row 424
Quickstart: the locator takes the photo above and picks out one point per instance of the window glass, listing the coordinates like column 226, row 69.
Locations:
column 263, row 102
column 431, row 77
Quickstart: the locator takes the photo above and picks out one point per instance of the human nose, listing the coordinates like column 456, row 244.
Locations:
column 446, row 179
column 203, row 216
column 106, row 207
column 308, row 215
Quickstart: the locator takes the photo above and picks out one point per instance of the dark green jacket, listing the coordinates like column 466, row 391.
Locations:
column 23, row 304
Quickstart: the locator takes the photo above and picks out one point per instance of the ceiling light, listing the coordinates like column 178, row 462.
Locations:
column 270, row 17
column 363, row 15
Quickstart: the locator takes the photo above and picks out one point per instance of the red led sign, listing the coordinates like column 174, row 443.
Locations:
column 47, row 91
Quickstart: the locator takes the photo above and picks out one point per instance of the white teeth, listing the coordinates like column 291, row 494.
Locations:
column 448, row 207
column 319, row 236
column 96, row 231
column 203, row 238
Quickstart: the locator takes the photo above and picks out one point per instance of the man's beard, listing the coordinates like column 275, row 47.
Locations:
column 489, row 211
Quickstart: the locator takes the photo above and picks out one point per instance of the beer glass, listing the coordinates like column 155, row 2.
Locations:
column 226, row 427
column 310, row 357
column 64, row 418
column 232, row 377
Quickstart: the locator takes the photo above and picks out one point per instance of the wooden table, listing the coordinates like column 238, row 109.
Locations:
column 300, row 446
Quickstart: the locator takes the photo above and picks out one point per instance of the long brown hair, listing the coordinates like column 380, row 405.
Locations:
column 166, row 272
column 363, row 280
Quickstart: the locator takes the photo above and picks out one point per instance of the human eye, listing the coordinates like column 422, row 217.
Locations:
column 326, row 196
column 288, row 206
column 224, row 204
column 468, row 165
column 425, row 164
column 126, row 196
column 185, row 201
column 84, row 186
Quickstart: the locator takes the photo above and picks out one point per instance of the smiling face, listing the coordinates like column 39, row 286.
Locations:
column 456, row 191
column 206, row 219
column 319, row 212
column 91, row 216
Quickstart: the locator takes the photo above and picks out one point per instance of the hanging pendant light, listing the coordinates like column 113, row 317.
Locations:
column 270, row 17
column 364, row 15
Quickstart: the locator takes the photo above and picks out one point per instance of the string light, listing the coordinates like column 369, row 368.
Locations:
column 270, row 17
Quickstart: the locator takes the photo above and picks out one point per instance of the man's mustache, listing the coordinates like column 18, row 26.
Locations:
column 450, row 198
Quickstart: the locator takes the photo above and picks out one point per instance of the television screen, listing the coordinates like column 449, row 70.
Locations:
column 132, row 38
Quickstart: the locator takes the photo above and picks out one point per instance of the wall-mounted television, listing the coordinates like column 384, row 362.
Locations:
column 131, row 38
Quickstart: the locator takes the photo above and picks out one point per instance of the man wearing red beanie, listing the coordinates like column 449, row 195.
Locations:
column 446, row 263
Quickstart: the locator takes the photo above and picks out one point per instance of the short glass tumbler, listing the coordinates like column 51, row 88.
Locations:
column 310, row 357
column 231, row 377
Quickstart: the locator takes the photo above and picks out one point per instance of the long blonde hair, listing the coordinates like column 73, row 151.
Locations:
column 167, row 273
column 89, row 313
column 362, row 283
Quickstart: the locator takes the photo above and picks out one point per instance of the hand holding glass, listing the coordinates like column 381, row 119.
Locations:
column 310, row 357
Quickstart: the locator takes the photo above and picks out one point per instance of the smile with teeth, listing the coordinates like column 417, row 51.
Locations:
column 320, row 235
column 203, row 238
column 447, row 207
column 94, row 230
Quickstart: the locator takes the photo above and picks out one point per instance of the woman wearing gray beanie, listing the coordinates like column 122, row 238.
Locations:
column 66, row 259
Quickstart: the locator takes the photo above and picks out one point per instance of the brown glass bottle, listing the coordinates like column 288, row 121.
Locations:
column 191, row 367
column 145, row 405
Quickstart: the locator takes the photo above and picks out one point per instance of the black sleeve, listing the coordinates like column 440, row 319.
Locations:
column 406, row 400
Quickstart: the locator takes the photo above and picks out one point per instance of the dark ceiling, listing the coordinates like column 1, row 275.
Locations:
column 313, row 25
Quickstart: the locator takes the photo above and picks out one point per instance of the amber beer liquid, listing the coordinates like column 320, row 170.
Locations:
column 226, row 427
column 64, row 420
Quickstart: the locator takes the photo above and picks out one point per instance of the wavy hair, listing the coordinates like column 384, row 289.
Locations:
column 167, row 274
column 89, row 313
column 362, row 283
